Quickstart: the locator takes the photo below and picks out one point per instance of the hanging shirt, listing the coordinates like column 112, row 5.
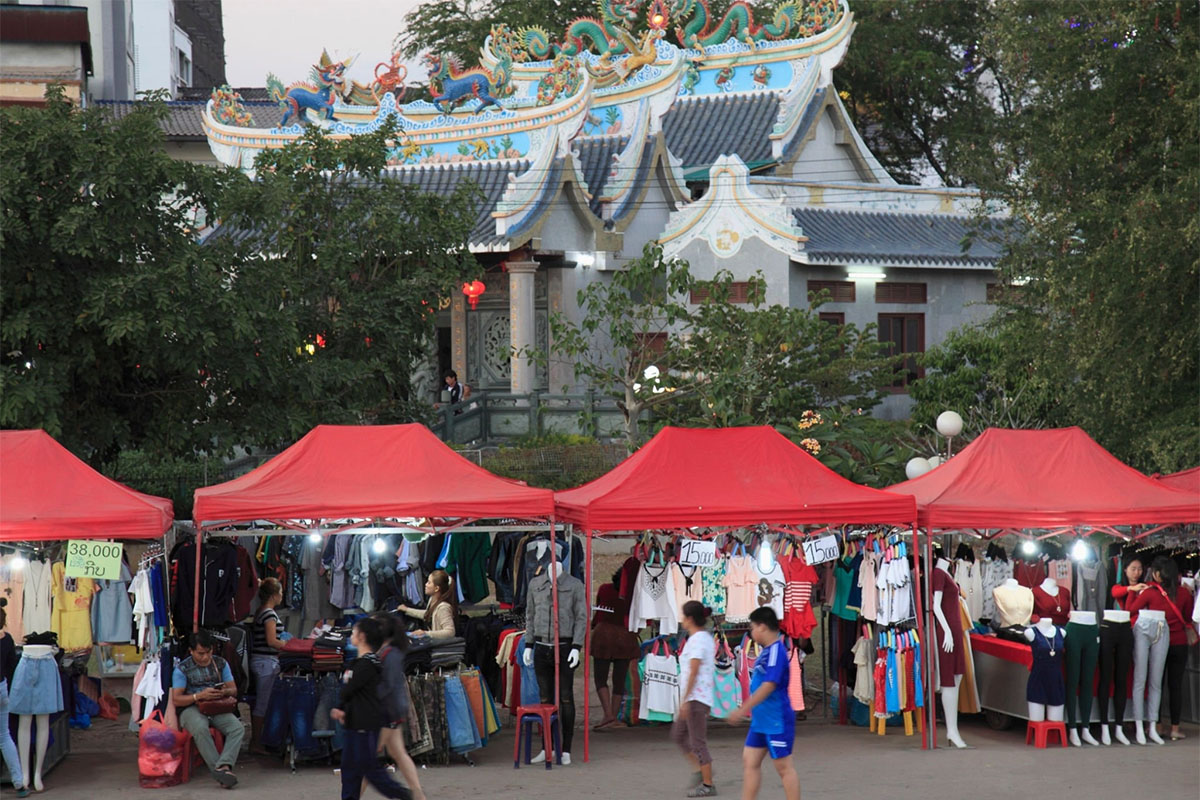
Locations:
column 654, row 599
column 112, row 613
column 866, row 585
column 769, row 587
column 687, row 583
column 864, row 657
column 36, row 612
column 899, row 578
column 844, row 577
column 12, row 589
column 995, row 572
column 71, row 617
column 143, row 604
column 740, row 580
column 713, row 581
column 969, row 577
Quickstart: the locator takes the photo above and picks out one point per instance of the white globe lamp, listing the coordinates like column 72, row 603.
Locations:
column 916, row 467
column 936, row 462
column 949, row 424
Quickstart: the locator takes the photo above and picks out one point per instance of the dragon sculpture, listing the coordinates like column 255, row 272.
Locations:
column 604, row 33
column 328, row 83
column 451, row 85
column 561, row 80
column 228, row 109
column 790, row 20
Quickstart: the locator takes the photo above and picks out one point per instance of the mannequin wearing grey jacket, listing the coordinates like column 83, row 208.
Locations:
column 542, row 650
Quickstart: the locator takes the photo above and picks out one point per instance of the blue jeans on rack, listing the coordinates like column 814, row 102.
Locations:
column 328, row 692
column 292, row 707
column 8, row 750
column 460, row 721
column 359, row 760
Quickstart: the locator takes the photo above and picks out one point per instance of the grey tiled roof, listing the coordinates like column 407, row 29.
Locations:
column 202, row 93
column 702, row 128
column 594, row 155
column 914, row 240
column 491, row 178
column 184, row 117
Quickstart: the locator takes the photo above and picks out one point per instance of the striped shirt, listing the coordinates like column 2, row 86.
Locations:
column 258, row 644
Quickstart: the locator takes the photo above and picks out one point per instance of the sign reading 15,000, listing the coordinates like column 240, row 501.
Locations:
column 99, row 560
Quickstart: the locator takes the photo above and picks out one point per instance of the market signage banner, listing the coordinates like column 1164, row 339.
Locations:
column 697, row 553
column 99, row 560
column 818, row 551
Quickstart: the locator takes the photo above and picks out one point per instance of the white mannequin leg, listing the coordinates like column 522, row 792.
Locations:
column 23, row 723
column 950, row 710
column 1152, row 733
column 43, row 743
column 1086, row 734
column 1139, row 731
column 1055, row 713
column 1119, row 735
column 1074, row 737
column 1104, row 737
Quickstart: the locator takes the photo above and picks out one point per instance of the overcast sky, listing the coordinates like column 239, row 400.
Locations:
column 286, row 36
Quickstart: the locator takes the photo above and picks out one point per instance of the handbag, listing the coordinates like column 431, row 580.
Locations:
column 211, row 708
column 1189, row 630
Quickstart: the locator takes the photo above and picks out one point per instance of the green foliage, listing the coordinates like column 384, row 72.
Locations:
column 164, row 476
column 553, row 461
column 531, row 442
column 120, row 330
column 852, row 443
column 459, row 27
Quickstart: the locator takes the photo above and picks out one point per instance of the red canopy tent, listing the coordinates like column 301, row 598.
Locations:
column 1188, row 480
column 47, row 493
column 1056, row 478
column 381, row 471
column 1042, row 479
column 687, row 477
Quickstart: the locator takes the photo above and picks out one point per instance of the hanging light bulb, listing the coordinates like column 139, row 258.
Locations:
column 1029, row 547
column 18, row 562
column 315, row 537
column 378, row 546
column 766, row 558
column 1080, row 550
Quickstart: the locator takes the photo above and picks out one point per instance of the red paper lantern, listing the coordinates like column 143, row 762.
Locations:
column 473, row 290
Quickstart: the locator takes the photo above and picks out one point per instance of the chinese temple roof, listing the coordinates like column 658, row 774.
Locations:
column 595, row 158
column 700, row 129
column 185, row 118
column 899, row 239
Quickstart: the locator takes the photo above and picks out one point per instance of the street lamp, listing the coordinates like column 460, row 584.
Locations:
column 916, row 467
column 949, row 424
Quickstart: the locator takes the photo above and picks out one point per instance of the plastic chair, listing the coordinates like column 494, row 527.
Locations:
column 546, row 716
column 191, row 753
column 1039, row 732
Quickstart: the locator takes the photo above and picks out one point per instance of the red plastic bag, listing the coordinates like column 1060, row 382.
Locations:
column 109, row 708
column 161, row 751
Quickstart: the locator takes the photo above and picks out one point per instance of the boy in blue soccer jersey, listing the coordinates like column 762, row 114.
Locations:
column 772, row 721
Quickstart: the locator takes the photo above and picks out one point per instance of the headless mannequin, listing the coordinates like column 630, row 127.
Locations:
column 1083, row 618
column 1014, row 603
column 1140, row 725
column 949, row 695
column 1122, row 618
column 572, row 659
column 24, row 721
column 1039, row 712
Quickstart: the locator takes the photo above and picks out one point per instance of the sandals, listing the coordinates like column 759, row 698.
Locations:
column 225, row 777
column 1175, row 737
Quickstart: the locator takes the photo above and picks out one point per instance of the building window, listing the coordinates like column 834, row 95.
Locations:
column 839, row 291
column 739, row 292
column 185, row 68
column 899, row 293
column 999, row 293
column 837, row 318
column 649, row 346
column 902, row 336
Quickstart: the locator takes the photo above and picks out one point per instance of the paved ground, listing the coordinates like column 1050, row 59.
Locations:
column 834, row 762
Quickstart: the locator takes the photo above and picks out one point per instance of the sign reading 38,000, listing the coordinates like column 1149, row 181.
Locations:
column 99, row 560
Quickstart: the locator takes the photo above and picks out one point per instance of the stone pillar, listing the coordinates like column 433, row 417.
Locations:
column 458, row 338
column 523, row 330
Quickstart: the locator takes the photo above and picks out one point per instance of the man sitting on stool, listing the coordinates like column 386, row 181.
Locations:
column 200, row 679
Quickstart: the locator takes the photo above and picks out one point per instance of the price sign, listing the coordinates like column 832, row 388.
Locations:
column 99, row 560
column 697, row 553
column 818, row 551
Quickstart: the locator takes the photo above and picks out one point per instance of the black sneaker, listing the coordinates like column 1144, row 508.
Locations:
column 225, row 778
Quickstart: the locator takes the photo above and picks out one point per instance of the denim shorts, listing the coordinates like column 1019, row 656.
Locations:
column 36, row 688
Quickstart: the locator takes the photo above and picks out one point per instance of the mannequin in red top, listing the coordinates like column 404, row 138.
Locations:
column 1165, row 596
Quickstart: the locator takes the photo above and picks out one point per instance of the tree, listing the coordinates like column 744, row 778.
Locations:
column 459, row 27
column 1099, row 166
column 920, row 87
column 121, row 330
column 109, row 308
column 342, row 269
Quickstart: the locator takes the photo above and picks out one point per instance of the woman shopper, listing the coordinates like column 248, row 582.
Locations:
column 265, row 645
column 442, row 608
column 690, row 729
column 614, row 647
column 8, row 664
column 1130, row 584
column 1167, row 595
column 362, row 715
column 393, row 694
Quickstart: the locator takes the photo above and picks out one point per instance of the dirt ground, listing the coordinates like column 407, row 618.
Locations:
column 833, row 761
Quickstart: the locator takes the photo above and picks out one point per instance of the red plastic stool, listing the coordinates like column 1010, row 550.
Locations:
column 191, row 753
column 1039, row 732
column 547, row 715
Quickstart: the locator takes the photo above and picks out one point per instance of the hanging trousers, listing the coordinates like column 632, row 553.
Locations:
column 1177, row 655
column 1116, row 656
column 1150, row 643
column 1082, row 653
column 543, row 664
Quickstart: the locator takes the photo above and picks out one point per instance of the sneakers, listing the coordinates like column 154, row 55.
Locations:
column 695, row 780
column 703, row 790
column 23, row 791
column 224, row 777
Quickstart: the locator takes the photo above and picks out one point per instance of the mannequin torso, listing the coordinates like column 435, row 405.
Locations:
column 1050, row 600
column 1083, row 617
column 1014, row 603
column 1116, row 615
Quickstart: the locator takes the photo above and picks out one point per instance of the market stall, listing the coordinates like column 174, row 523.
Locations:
column 1039, row 485
column 1188, row 480
column 57, row 575
column 344, row 490
column 722, row 479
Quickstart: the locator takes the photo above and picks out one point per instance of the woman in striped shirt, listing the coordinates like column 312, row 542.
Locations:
column 265, row 645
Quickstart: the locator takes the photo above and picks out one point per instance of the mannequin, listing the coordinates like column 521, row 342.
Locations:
column 1116, row 656
column 951, row 658
column 1051, row 600
column 35, row 692
column 1150, row 642
column 1083, row 652
column 1014, row 603
column 541, row 651
column 1045, row 691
